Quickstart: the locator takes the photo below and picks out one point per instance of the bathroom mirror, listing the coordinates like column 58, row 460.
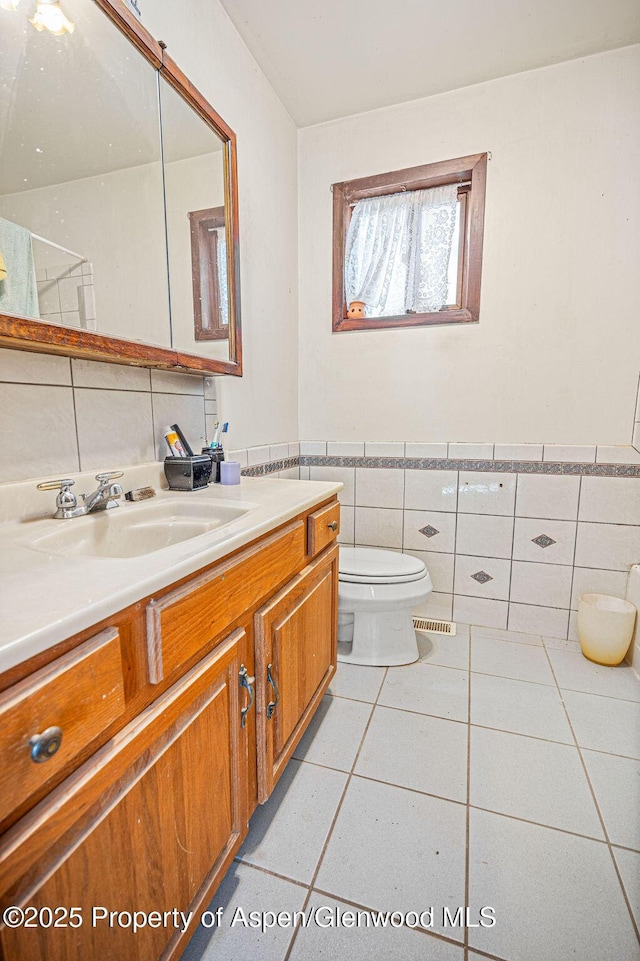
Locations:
column 194, row 171
column 84, row 194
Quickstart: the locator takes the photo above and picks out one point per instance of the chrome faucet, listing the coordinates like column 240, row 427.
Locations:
column 102, row 499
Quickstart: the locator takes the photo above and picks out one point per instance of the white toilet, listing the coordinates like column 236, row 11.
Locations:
column 377, row 591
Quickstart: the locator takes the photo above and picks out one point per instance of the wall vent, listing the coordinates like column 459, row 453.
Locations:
column 424, row 625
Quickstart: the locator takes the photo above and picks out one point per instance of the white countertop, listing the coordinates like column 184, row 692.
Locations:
column 46, row 598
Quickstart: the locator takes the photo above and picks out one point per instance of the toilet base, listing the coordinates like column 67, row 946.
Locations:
column 382, row 639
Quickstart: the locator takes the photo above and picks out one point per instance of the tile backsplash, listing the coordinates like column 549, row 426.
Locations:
column 506, row 548
column 512, row 534
column 62, row 415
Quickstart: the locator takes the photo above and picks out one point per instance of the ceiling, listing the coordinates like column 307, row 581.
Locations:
column 334, row 58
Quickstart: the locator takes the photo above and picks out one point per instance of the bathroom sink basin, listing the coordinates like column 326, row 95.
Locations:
column 137, row 529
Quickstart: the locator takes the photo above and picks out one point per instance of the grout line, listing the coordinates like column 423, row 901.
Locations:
column 597, row 807
column 513, row 544
column 334, row 820
column 267, row 871
column 364, row 907
column 575, row 551
column 75, row 417
column 467, row 856
column 455, row 546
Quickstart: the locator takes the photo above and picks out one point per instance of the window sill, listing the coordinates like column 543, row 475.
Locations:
column 437, row 318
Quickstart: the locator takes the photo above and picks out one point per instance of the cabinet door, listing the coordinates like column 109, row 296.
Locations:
column 150, row 824
column 296, row 648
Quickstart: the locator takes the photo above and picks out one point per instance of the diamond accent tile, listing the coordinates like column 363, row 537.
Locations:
column 542, row 540
column 482, row 577
column 429, row 531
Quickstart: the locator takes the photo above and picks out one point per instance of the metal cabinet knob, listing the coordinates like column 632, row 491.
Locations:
column 333, row 525
column 44, row 746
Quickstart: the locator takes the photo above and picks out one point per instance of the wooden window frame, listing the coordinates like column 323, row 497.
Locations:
column 204, row 268
column 470, row 171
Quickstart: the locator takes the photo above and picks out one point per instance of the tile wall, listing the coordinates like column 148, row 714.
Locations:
column 66, row 295
column 506, row 548
column 62, row 415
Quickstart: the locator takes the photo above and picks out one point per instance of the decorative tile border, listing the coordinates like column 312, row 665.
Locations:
column 442, row 463
column 271, row 467
column 489, row 466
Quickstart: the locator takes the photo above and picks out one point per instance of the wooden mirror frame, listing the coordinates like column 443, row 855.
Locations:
column 27, row 333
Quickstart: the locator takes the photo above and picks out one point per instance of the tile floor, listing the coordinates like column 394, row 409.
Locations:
column 500, row 771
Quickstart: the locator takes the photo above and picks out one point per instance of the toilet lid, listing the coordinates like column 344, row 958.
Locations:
column 370, row 565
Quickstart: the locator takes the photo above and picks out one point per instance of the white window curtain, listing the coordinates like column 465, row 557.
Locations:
column 223, row 291
column 397, row 251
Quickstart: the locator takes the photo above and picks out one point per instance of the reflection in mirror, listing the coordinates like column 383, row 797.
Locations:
column 194, row 167
column 81, row 196
column 209, row 269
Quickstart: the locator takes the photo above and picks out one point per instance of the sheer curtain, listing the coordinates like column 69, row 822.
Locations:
column 223, row 287
column 397, row 251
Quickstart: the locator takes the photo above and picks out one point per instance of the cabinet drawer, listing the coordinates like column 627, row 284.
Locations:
column 80, row 694
column 323, row 527
column 182, row 622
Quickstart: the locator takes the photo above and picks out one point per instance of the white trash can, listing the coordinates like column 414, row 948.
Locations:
column 605, row 627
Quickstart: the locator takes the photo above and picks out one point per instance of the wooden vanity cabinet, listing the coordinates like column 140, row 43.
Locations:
column 153, row 819
column 150, row 824
column 296, row 649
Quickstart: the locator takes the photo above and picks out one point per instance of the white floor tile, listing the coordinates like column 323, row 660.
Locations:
column 616, row 783
column 393, row 850
column 362, row 943
column 444, row 651
column 518, row 706
column 251, row 890
column 560, row 644
column 334, row 733
column 531, row 779
column 524, row 663
column 556, row 896
column 357, row 681
column 629, row 866
column 415, row 751
column 287, row 834
column 427, row 689
column 602, row 724
column 575, row 673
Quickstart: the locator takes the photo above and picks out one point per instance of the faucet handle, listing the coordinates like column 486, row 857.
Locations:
column 62, row 485
column 66, row 502
column 109, row 475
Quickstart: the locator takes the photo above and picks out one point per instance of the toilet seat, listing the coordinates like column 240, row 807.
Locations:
column 370, row 565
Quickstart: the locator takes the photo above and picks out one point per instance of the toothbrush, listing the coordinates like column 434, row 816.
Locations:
column 216, row 429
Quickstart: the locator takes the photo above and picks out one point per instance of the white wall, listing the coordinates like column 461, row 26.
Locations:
column 556, row 354
column 116, row 221
column 262, row 406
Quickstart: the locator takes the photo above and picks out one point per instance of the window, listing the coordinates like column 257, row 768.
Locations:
column 209, row 272
column 407, row 246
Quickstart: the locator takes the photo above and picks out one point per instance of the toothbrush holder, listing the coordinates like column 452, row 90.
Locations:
column 216, row 456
